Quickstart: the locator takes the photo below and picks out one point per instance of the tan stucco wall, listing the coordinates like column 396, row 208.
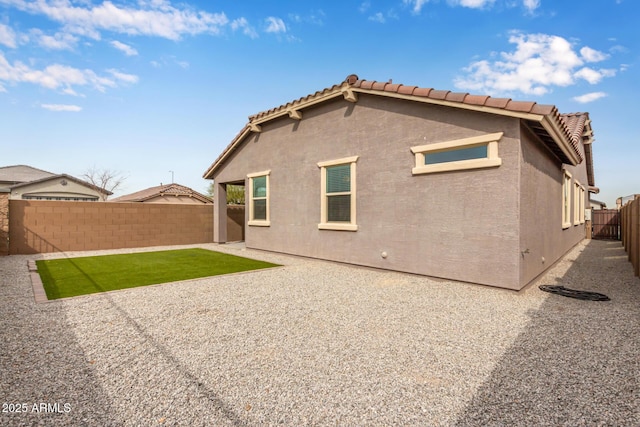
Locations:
column 54, row 188
column 460, row 225
column 542, row 235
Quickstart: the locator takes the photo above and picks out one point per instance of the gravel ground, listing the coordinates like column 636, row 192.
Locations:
column 318, row 343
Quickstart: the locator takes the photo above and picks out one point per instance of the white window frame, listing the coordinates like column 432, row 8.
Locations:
column 583, row 193
column 489, row 140
column 324, row 223
column 259, row 222
column 577, row 193
column 566, row 199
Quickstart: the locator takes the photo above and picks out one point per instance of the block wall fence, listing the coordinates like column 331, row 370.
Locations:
column 4, row 223
column 29, row 227
column 630, row 214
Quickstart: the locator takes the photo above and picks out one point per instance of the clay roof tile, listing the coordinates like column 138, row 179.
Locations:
column 391, row 87
column 422, row 91
column 542, row 109
column 365, row 84
column 406, row 90
column 456, row 97
column 439, row 94
column 476, row 99
column 497, row 102
column 521, row 106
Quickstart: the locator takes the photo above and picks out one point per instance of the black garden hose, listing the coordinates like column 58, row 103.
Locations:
column 572, row 293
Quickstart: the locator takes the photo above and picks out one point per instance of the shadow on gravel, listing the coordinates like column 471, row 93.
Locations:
column 578, row 362
column 43, row 364
column 45, row 378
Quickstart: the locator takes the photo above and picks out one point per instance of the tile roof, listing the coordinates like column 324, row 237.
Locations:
column 161, row 190
column 63, row 176
column 22, row 173
column 579, row 126
column 544, row 119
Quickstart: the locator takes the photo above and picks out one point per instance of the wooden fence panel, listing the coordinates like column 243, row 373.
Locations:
column 630, row 218
column 606, row 224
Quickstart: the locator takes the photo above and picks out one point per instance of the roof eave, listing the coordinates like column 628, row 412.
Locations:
column 551, row 125
column 227, row 152
column 548, row 120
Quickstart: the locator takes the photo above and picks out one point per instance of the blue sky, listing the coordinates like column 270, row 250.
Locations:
column 152, row 86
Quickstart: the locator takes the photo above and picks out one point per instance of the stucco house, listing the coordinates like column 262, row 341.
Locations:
column 167, row 193
column 451, row 185
column 28, row 183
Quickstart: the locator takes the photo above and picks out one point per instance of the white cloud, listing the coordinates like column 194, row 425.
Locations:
column 378, row 17
column 592, row 55
column 416, row 4
column 169, row 60
column 472, row 4
column 7, row 36
column 594, row 76
column 589, row 97
column 243, row 24
column 275, row 25
column 531, row 5
column 59, row 77
column 123, row 77
column 61, row 107
column 539, row 62
column 125, row 48
column 152, row 18
column 59, row 41
column 316, row 17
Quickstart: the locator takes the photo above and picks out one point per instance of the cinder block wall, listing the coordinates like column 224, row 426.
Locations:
column 54, row 226
column 4, row 223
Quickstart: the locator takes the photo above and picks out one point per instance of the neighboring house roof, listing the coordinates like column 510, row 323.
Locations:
column 561, row 133
column 162, row 190
column 598, row 203
column 63, row 176
column 21, row 173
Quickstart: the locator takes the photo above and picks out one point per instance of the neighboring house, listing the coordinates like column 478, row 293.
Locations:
column 28, row 183
column 464, row 187
column 168, row 193
column 597, row 204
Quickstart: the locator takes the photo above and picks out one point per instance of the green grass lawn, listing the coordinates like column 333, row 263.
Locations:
column 68, row 277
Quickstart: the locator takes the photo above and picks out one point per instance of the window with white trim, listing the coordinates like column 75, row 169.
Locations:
column 259, row 199
column 338, row 194
column 566, row 200
column 577, row 195
column 460, row 154
column 582, row 204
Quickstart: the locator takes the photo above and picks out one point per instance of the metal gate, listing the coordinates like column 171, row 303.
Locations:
column 606, row 224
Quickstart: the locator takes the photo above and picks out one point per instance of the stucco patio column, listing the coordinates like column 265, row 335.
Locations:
column 220, row 213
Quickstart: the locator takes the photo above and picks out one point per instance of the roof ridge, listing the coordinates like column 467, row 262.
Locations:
column 26, row 166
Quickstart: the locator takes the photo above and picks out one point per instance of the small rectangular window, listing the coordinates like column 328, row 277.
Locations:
column 259, row 199
column 338, row 194
column 456, row 155
column 460, row 154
